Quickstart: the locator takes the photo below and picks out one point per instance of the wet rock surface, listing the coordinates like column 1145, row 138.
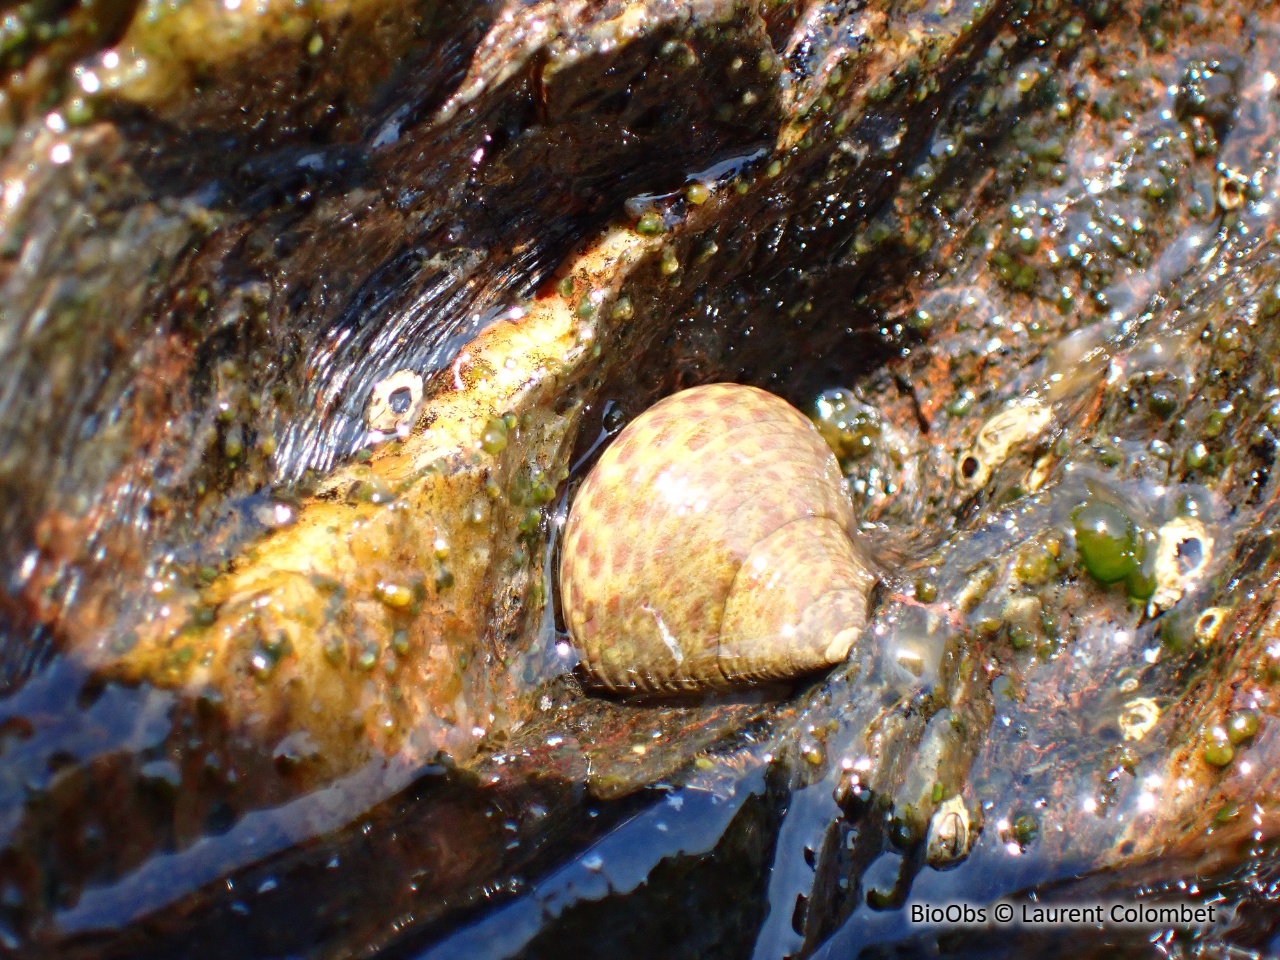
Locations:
column 282, row 674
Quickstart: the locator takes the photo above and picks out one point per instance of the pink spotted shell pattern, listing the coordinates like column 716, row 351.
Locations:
column 711, row 546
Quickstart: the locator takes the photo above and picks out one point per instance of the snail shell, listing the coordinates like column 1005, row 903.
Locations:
column 710, row 546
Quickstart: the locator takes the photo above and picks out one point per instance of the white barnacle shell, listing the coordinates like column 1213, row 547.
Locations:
column 950, row 834
column 1138, row 717
column 998, row 439
column 711, row 545
column 1183, row 551
column 394, row 402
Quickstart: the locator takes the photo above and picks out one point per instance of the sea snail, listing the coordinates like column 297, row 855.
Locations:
column 712, row 545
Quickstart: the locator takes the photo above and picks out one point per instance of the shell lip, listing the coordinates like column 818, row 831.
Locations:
column 709, row 692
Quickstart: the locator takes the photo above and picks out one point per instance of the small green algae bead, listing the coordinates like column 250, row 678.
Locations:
column 1035, row 564
column 1025, row 830
column 1242, row 725
column 1197, row 458
column 649, row 225
column 1163, row 402
column 1141, row 584
column 1218, row 753
column 1107, row 541
column 494, row 438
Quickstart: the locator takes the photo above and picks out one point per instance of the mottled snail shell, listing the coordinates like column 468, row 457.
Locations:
column 710, row 546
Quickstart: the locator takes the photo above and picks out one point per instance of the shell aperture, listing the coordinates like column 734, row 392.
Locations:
column 710, row 546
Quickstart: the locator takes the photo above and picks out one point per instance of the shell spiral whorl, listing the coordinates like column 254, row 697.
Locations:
column 710, row 546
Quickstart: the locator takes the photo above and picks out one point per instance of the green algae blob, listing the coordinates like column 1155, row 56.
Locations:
column 1025, row 830
column 1107, row 540
column 1241, row 726
column 1141, row 584
column 1036, row 563
column 1218, row 750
